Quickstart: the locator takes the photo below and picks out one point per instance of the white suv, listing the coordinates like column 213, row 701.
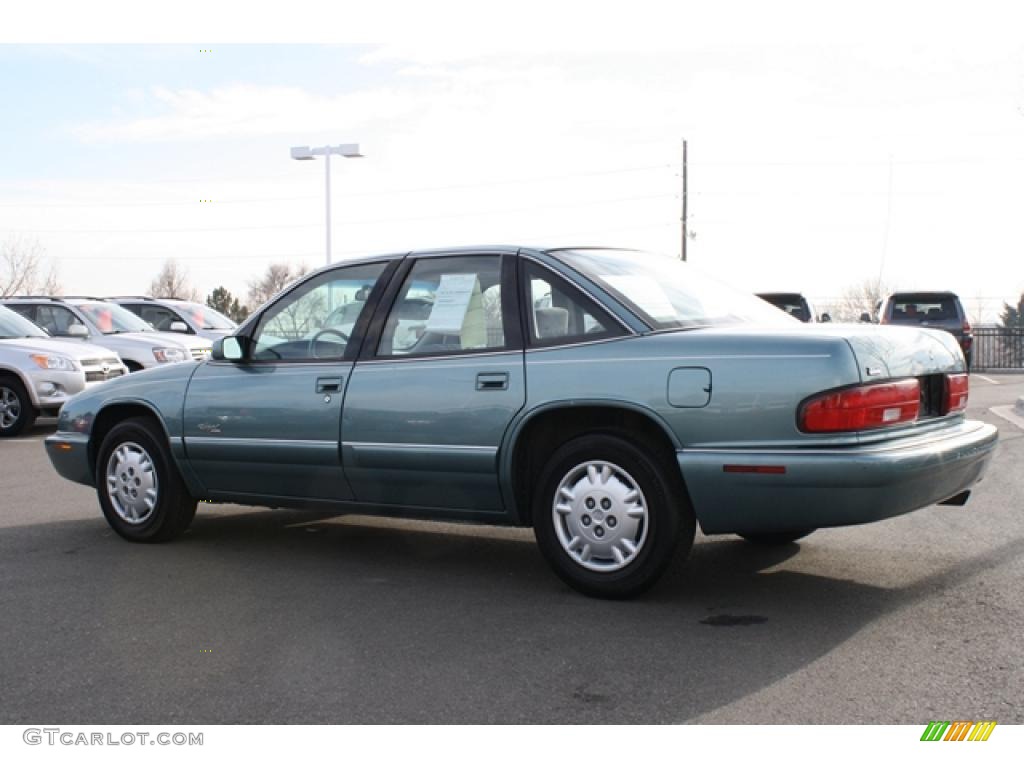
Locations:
column 38, row 373
column 101, row 322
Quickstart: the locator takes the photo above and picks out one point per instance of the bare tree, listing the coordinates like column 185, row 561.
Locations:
column 861, row 298
column 24, row 268
column 273, row 280
column 173, row 282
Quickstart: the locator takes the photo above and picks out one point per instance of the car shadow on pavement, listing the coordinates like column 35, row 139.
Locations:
column 285, row 617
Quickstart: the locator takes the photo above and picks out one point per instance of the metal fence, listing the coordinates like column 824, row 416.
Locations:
column 997, row 347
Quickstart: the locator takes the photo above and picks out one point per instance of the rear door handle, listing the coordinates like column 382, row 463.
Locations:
column 488, row 381
column 328, row 384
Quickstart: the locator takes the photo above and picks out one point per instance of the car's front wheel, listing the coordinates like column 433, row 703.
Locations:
column 16, row 411
column 140, row 491
column 609, row 517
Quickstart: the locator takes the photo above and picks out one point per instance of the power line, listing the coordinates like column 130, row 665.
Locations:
column 385, row 220
column 360, row 195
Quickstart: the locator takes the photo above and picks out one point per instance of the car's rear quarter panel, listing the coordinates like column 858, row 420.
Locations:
column 758, row 379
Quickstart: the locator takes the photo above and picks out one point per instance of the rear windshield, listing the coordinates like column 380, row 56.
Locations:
column 921, row 309
column 668, row 293
column 110, row 318
column 790, row 303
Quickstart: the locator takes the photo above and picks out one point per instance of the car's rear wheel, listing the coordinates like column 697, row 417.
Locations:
column 608, row 517
column 777, row 538
column 16, row 411
column 140, row 491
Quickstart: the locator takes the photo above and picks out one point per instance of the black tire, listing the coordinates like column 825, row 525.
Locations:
column 649, row 543
column 132, row 366
column 776, row 539
column 16, row 409
column 172, row 510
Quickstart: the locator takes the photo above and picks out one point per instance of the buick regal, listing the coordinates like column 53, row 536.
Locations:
column 610, row 399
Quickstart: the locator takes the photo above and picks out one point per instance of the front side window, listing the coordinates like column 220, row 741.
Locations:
column 447, row 305
column 158, row 317
column 55, row 320
column 317, row 319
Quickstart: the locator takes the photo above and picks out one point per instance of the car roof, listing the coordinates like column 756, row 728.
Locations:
column 924, row 294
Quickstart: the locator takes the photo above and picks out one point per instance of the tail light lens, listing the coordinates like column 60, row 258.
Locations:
column 956, row 389
column 863, row 407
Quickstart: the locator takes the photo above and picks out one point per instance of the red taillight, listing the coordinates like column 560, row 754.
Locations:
column 866, row 407
column 955, row 392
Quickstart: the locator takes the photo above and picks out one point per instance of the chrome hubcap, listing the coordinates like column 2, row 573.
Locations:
column 10, row 408
column 131, row 483
column 600, row 516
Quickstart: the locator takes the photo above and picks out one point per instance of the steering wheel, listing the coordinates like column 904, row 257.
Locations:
column 316, row 337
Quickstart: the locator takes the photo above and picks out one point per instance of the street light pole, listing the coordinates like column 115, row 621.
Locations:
column 327, row 174
column 305, row 153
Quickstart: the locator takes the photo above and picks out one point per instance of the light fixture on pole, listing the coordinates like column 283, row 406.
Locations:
column 306, row 153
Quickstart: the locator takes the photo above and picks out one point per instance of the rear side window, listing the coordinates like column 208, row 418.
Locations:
column 448, row 305
column 557, row 313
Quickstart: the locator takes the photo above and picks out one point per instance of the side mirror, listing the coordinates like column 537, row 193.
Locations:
column 826, row 317
column 178, row 327
column 78, row 331
column 229, row 348
column 865, row 317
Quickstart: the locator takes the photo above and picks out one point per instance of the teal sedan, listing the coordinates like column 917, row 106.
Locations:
column 610, row 399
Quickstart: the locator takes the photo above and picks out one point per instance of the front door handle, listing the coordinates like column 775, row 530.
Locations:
column 328, row 384
column 489, row 381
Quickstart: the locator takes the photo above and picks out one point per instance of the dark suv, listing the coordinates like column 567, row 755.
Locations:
column 931, row 309
column 795, row 305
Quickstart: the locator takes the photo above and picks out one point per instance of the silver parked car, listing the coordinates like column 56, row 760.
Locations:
column 38, row 373
column 179, row 316
column 101, row 322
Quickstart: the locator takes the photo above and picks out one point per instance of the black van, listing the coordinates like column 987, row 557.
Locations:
column 931, row 309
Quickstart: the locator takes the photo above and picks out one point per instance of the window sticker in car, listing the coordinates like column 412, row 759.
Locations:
column 645, row 292
column 457, row 303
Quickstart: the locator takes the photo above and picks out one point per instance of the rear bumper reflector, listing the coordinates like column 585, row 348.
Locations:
column 755, row 469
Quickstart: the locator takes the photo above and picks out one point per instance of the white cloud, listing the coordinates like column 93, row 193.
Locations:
column 789, row 145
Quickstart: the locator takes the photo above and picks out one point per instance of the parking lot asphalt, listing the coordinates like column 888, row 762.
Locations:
column 264, row 616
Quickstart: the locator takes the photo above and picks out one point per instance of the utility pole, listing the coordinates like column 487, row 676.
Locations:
column 683, row 217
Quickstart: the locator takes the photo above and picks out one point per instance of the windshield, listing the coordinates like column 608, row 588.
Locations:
column 668, row 293
column 204, row 317
column 110, row 318
column 14, row 326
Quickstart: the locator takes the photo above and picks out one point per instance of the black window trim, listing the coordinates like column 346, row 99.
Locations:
column 511, row 324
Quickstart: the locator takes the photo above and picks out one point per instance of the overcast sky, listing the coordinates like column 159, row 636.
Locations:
column 821, row 153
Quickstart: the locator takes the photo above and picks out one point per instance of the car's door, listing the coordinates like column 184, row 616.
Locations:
column 437, row 383
column 268, row 425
